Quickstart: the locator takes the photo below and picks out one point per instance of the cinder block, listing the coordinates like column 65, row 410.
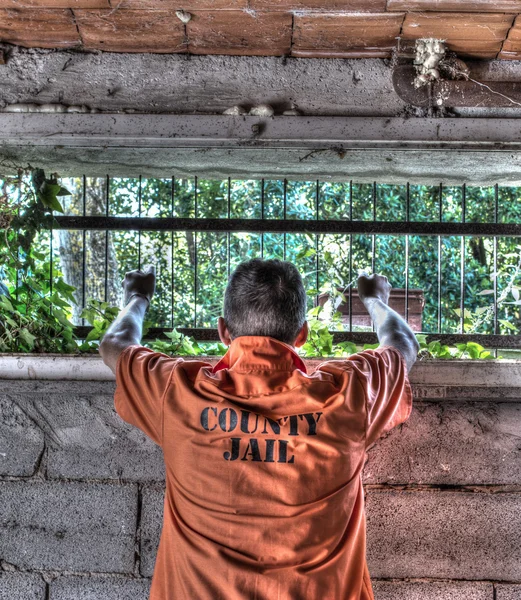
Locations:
column 451, row 443
column 508, row 592
column 444, row 535
column 87, row 439
column 151, row 525
column 99, row 588
column 68, row 526
column 433, row 590
column 21, row 440
column 21, row 586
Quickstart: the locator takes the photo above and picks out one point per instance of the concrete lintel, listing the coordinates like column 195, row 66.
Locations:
column 205, row 131
column 505, row 373
column 390, row 150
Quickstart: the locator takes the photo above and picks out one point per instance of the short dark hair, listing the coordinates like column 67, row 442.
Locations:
column 265, row 297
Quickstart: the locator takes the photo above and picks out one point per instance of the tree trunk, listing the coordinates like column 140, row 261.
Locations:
column 97, row 247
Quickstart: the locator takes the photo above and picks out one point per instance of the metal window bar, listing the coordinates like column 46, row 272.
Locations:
column 84, row 253
column 262, row 216
column 172, row 254
column 496, row 211
column 285, row 213
column 350, row 258
column 228, row 240
column 195, row 255
column 317, row 257
column 440, row 201
column 314, row 226
column 407, row 218
column 462, row 264
column 107, row 212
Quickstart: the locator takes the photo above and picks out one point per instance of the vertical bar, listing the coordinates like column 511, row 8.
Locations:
column 408, row 219
column 228, row 233
column 462, row 263
column 195, row 196
column 496, row 206
column 317, row 265
column 107, row 196
column 440, row 205
column 84, row 257
column 172, row 252
column 373, row 240
column 439, row 259
column 139, row 232
column 195, row 256
column 462, row 285
column 350, row 258
column 439, row 284
column 17, row 274
column 262, row 216
column 285, row 211
column 406, row 314
column 51, row 260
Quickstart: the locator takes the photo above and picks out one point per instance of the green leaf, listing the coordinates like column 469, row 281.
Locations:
column 63, row 192
column 27, row 337
column 371, row 346
column 508, row 325
column 92, row 335
column 5, row 303
column 485, row 292
column 47, row 194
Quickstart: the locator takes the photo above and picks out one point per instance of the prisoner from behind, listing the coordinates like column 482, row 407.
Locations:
column 264, row 494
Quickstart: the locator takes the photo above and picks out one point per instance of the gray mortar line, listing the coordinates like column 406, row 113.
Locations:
column 469, row 488
column 137, row 538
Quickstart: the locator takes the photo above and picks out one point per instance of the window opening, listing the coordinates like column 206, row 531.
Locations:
column 454, row 248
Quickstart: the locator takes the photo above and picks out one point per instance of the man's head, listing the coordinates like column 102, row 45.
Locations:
column 265, row 297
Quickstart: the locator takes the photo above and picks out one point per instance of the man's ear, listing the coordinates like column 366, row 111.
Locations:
column 302, row 335
column 224, row 334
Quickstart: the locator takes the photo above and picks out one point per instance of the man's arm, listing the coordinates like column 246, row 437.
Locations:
column 391, row 329
column 126, row 329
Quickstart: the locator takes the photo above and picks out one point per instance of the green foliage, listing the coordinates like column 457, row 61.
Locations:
column 320, row 340
column 35, row 304
column 435, row 349
column 183, row 345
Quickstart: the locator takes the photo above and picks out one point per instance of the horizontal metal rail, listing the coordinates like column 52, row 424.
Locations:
column 357, row 337
column 106, row 223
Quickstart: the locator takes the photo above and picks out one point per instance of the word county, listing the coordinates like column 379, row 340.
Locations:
column 267, row 449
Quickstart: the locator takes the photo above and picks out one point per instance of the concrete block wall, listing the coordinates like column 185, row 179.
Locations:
column 81, row 492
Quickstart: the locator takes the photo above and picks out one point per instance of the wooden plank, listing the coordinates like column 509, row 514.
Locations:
column 457, row 26
column 469, row 34
column 472, row 6
column 345, row 35
column 239, row 33
column 131, row 30
column 320, row 5
column 512, row 45
column 54, row 4
column 42, row 27
column 187, row 5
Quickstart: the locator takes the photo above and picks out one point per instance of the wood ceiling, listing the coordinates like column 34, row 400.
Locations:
column 300, row 28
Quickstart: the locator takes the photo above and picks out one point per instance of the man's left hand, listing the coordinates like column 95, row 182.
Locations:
column 139, row 282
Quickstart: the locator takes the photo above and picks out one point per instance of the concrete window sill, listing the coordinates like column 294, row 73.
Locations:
column 502, row 374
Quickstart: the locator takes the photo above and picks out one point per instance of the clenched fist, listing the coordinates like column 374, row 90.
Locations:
column 374, row 286
column 138, row 282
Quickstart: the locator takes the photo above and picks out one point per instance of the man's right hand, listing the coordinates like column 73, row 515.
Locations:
column 374, row 286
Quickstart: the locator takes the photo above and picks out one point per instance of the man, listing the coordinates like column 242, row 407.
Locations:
column 264, row 495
